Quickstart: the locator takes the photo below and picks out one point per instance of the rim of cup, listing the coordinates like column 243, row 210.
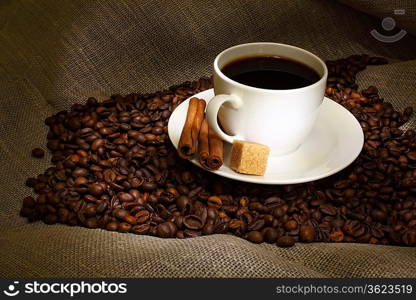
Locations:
column 231, row 81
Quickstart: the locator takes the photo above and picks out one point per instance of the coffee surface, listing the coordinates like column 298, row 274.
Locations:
column 270, row 72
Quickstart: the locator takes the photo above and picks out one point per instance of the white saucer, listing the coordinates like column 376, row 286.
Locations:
column 334, row 143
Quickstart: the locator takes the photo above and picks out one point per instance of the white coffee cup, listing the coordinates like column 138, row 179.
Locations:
column 280, row 119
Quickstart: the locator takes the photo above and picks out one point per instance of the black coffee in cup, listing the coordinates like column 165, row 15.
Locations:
column 270, row 72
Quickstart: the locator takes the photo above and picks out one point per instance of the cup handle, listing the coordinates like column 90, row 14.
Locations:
column 212, row 112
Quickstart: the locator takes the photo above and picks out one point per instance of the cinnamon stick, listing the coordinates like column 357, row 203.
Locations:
column 216, row 150
column 190, row 131
column 211, row 151
column 203, row 144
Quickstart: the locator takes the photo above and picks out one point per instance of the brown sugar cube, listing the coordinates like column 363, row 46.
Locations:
column 249, row 158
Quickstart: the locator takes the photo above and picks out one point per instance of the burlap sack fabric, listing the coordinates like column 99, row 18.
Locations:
column 54, row 53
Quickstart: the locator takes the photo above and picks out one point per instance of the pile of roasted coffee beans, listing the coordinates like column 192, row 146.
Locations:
column 114, row 168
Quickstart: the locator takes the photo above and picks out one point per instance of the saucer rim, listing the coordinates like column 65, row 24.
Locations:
column 262, row 179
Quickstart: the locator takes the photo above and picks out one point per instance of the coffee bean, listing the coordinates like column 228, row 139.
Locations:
column 353, row 228
column 149, row 186
column 214, row 201
column 124, row 227
column 141, row 229
column 26, row 212
column 112, row 226
column 80, row 172
column 29, row 202
column 280, row 211
column 191, row 233
column 212, row 213
column 307, row 233
column 120, row 213
column 378, row 215
column 285, row 241
column 409, row 237
column 31, row 182
column 336, row 236
column 180, row 234
column 96, row 189
column 183, row 203
column 270, row 235
column 208, row 229
column 173, row 228
column 268, row 219
column 411, row 155
column 91, row 222
column 90, row 211
column 193, row 222
column 63, row 215
column 337, row 223
column 257, row 225
column 49, row 218
column 255, row 237
column 142, row 216
column 81, row 181
column 130, row 219
column 291, row 225
column 125, row 197
column 341, row 184
column 328, row 209
column 164, row 230
column 97, row 144
column 38, row 153
column 235, row 224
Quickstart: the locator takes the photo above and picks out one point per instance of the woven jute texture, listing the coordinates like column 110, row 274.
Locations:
column 54, row 53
